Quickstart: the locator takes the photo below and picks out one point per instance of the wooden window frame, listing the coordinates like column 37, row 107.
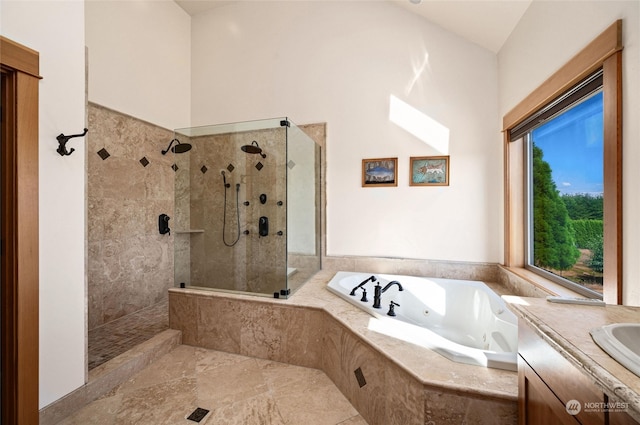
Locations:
column 19, row 225
column 605, row 52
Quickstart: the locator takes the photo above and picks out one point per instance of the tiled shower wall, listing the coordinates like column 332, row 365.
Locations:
column 129, row 184
column 254, row 263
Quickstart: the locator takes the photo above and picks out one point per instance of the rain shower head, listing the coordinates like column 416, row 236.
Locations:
column 178, row 148
column 253, row 148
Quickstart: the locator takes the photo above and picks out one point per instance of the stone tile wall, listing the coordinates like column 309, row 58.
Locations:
column 254, row 263
column 130, row 265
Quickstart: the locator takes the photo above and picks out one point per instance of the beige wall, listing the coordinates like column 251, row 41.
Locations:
column 140, row 59
column 130, row 265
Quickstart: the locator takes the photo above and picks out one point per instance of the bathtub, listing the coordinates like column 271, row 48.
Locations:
column 463, row 320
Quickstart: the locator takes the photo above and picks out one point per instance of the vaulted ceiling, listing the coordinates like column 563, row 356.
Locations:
column 487, row 23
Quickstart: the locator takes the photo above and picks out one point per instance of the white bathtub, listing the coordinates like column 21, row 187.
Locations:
column 463, row 320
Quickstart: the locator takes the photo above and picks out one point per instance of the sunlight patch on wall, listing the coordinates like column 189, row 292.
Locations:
column 419, row 124
column 418, row 70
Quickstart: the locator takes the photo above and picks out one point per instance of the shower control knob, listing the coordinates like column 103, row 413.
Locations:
column 246, row 203
column 280, row 203
column 280, row 233
column 246, row 232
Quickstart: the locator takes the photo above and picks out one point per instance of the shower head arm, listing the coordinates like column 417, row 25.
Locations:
column 262, row 154
column 178, row 148
column 164, row 152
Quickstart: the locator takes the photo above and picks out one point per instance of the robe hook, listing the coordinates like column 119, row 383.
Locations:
column 62, row 140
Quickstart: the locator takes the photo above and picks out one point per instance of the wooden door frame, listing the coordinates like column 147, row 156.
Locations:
column 19, row 226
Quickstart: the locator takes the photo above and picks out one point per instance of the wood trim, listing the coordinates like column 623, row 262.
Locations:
column 27, row 246
column 612, row 92
column 606, row 52
column 514, row 204
column 508, row 204
column 19, row 57
column 586, row 61
column 20, row 261
column 7, row 296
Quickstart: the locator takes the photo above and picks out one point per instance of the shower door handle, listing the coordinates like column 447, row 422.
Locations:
column 263, row 226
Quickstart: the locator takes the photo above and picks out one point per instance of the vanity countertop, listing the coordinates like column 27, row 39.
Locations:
column 566, row 328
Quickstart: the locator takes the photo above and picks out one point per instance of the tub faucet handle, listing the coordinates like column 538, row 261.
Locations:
column 364, row 295
column 391, row 311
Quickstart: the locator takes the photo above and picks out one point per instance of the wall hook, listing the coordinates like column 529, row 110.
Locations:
column 62, row 140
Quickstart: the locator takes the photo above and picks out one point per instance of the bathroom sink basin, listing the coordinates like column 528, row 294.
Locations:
column 622, row 342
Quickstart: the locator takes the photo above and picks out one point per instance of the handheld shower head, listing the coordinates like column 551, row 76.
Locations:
column 224, row 179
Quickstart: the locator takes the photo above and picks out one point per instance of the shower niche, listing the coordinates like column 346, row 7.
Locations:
column 247, row 207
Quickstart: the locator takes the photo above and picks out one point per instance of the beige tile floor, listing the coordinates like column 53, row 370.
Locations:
column 118, row 336
column 235, row 389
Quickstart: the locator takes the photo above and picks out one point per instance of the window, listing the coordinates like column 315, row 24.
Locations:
column 564, row 149
column 585, row 91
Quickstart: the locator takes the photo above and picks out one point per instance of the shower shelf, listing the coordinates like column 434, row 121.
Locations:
column 189, row 231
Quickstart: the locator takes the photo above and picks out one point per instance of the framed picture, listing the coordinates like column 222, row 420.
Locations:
column 429, row 171
column 380, row 172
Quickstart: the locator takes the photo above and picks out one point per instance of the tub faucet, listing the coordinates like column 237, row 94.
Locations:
column 371, row 278
column 379, row 291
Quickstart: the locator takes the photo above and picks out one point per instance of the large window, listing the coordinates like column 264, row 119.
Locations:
column 564, row 150
column 563, row 175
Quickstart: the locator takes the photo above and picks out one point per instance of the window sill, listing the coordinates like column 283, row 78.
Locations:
column 541, row 283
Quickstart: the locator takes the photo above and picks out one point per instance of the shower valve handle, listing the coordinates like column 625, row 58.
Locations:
column 263, row 226
column 163, row 224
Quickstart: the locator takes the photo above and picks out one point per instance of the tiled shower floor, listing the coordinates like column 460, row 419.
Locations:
column 120, row 335
column 235, row 389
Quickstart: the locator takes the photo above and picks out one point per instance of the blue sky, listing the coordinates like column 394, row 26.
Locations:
column 572, row 144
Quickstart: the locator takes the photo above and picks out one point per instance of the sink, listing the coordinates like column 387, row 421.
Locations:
column 622, row 342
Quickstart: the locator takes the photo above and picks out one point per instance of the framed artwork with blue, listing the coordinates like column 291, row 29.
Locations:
column 380, row 172
column 429, row 171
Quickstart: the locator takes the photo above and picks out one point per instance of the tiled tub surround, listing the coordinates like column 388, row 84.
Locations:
column 129, row 264
column 405, row 384
column 566, row 328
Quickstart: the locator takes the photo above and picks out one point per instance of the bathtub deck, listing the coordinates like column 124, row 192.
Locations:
column 405, row 384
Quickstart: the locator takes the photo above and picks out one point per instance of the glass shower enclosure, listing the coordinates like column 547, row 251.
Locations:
column 247, row 207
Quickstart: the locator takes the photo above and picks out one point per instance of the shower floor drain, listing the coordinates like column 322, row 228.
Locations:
column 198, row 414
